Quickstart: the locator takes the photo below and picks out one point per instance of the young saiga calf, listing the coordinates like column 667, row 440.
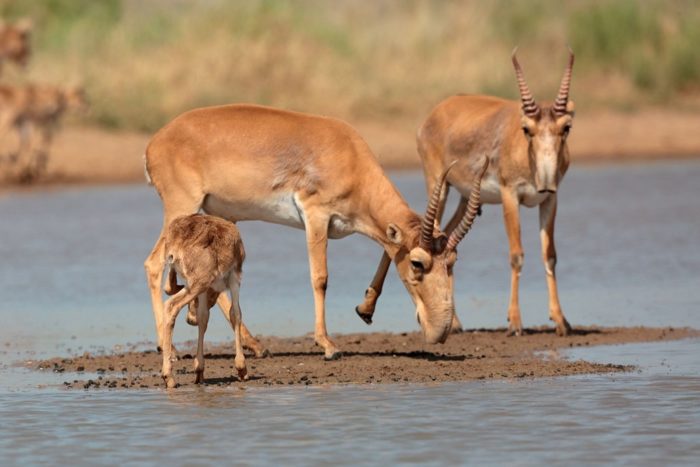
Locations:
column 207, row 252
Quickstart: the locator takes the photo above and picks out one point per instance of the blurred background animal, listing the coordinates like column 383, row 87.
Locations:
column 15, row 42
column 35, row 107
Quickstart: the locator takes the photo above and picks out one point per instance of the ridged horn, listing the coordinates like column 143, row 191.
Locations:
column 563, row 96
column 530, row 107
column 426, row 229
column 472, row 209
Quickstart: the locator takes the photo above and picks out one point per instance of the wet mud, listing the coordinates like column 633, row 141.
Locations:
column 368, row 358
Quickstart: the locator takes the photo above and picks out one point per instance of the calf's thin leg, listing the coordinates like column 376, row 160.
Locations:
column 236, row 317
column 202, row 323
column 249, row 342
column 172, row 308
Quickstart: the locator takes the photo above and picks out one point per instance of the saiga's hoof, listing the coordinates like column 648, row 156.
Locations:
column 367, row 318
column 335, row 355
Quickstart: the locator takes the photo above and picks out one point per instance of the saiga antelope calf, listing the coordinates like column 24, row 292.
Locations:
column 248, row 162
column 207, row 252
column 525, row 144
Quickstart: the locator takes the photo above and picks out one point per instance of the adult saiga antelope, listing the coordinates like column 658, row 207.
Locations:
column 248, row 162
column 525, row 144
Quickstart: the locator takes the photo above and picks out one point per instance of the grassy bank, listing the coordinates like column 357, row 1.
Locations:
column 143, row 62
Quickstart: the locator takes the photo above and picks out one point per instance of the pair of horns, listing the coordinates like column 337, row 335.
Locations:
column 530, row 107
column 426, row 238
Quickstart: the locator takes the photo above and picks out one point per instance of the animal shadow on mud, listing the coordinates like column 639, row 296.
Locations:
column 533, row 331
column 417, row 354
column 229, row 379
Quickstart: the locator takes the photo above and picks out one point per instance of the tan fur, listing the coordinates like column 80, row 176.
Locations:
column 247, row 162
column 15, row 43
column 207, row 252
column 523, row 169
column 40, row 106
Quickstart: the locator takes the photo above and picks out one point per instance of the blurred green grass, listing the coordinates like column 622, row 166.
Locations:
column 143, row 62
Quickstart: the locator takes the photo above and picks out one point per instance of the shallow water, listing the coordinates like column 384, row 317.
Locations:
column 72, row 280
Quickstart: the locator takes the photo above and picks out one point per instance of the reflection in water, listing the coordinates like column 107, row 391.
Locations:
column 72, row 280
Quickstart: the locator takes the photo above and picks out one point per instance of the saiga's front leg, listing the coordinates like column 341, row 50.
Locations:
column 451, row 225
column 366, row 309
column 511, row 217
column 317, row 244
column 548, row 212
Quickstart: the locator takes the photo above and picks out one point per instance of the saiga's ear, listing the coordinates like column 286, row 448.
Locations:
column 394, row 234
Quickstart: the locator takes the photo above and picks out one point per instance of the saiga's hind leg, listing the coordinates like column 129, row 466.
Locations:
column 173, row 207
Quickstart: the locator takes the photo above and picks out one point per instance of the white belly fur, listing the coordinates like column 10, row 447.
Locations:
column 529, row 196
column 284, row 209
column 491, row 192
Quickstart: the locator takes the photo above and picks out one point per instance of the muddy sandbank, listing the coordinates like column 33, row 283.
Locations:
column 368, row 358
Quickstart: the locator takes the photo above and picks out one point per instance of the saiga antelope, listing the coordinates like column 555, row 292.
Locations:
column 248, row 162
column 40, row 107
column 15, row 42
column 525, row 144
column 207, row 252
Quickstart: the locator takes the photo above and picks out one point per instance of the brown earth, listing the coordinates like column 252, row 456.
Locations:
column 94, row 156
column 371, row 358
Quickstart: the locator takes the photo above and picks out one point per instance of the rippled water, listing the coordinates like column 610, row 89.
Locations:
column 72, row 280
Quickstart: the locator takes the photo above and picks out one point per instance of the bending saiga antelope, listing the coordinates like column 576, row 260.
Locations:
column 525, row 144
column 248, row 162
column 207, row 252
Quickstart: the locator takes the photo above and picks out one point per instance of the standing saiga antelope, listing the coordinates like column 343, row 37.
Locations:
column 525, row 144
column 248, row 162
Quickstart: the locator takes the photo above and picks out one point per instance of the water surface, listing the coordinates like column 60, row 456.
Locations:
column 72, row 280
